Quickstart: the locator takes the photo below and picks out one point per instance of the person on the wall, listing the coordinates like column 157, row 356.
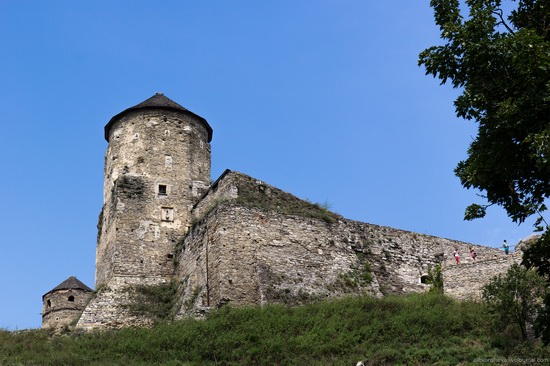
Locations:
column 473, row 253
column 506, row 247
column 457, row 257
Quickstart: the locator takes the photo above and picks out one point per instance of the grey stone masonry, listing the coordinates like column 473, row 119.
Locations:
column 238, row 240
column 466, row 280
column 255, row 244
column 63, row 305
column 154, row 163
column 110, row 306
column 157, row 165
column 247, row 256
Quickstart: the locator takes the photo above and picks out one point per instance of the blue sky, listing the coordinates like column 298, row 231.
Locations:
column 323, row 99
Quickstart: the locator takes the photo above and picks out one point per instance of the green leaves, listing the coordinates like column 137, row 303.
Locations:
column 475, row 211
column 502, row 64
column 515, row 298
column 435, row 278
column 447, row 15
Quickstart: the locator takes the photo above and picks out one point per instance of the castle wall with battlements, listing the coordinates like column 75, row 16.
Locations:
column 240, row 241
column 248, row 252
column 253, row 244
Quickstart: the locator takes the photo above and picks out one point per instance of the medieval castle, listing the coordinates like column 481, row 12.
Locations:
column 165, row 225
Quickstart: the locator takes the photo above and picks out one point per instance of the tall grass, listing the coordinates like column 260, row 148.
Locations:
column 408, row 330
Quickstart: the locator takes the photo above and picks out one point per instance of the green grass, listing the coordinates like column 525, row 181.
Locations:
column 409, row 330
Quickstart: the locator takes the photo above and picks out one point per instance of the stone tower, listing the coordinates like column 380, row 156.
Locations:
column 157, row 165
column 63, row 304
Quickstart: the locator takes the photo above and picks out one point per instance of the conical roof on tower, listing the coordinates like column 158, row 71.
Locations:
column 71, row 283
column 157, row 101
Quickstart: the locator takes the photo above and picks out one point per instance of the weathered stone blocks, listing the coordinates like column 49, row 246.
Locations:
column 63, row 305
column 237, row 241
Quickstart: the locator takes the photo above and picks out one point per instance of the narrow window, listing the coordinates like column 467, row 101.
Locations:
column 163, row 190
column 71, row 298
column 49, row 303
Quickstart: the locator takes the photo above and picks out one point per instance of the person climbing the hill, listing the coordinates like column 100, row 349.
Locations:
column 473, row 253
column 457, row 257
column 506, row 247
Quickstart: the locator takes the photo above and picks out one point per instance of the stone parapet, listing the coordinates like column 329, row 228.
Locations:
column 466, row 280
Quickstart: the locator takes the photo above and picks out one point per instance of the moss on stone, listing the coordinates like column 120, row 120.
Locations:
column 130, row 186
column 153, row 301
column 258, row 194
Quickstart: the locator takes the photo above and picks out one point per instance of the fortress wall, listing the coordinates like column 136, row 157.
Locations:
column 400, row 258
column 109, row 306
column 466, row 280
column 191, row 270
column 223, row 189
column 403, row 257
column 291, row 259
column 243, row 251
column 245, row 255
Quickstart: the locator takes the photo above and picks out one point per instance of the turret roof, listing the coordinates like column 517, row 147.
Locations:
column 71, row 283
column 157, row 101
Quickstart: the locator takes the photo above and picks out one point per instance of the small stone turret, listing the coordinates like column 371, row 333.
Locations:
column 64, row 303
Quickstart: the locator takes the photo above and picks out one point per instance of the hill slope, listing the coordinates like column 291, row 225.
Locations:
column 411, row 330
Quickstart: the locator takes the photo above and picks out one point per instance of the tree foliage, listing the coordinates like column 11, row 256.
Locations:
column 501, row 62
column 516, row 298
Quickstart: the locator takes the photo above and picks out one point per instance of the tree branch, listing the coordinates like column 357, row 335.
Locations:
column 500, row 14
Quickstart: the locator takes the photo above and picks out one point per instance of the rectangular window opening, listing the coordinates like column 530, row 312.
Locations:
column 163, row 190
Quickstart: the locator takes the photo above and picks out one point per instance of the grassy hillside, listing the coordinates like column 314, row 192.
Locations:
column 412, row 330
